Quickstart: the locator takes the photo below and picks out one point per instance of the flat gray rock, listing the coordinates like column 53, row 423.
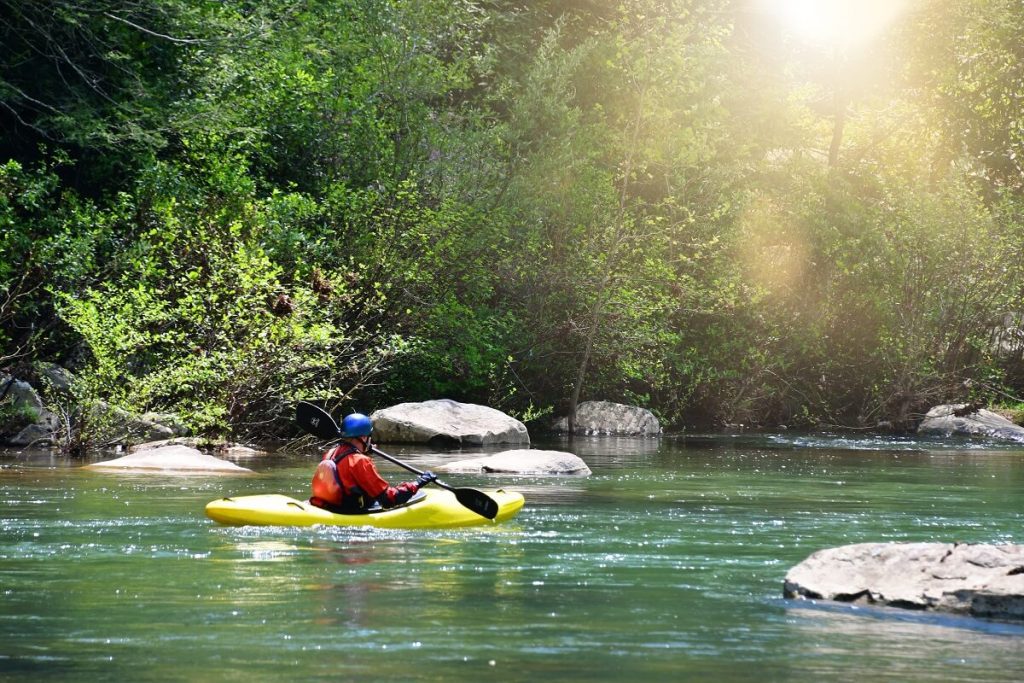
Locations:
column 523, row 461
column 170, row 460
column 961, row 578
column 447, row 424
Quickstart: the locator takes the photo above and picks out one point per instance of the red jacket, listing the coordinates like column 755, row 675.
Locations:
column 346, row 480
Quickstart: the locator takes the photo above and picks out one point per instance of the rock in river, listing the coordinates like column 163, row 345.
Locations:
column 962, row 419
column 170, row 460
column 962, row 578
column 612, row 419
column 447, row 424
column 523, row 461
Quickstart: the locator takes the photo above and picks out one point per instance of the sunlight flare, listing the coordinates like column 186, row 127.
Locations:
column 838, row 23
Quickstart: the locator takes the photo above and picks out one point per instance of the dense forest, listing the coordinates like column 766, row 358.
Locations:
column 756, row 212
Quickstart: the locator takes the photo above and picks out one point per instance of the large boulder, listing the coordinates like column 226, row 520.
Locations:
column 24, row 420
column 966, row 420
column 522, row 461
column 36, row 435
column 164, row 422
column 21, row 394
column 447, row 424
column 56, row 379
column 170, row 460
column 1008, row 336
column 117, row 425
column 613, row 419
column 971, row 579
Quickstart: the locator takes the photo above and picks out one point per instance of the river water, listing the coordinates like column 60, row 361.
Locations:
column 665, row 565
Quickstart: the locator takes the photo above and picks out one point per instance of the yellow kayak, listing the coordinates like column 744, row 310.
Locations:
column 435, row 509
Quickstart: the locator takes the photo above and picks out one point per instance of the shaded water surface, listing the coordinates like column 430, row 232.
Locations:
column 666, row 564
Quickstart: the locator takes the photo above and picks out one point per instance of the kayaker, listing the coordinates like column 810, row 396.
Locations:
column 347, row 481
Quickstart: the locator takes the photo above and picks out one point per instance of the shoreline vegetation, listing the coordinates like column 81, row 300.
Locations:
column 705, row 209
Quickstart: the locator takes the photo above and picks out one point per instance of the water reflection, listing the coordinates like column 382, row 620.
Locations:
column 842, row 442
column 363, row 581
column 619, row 451
column 830, row 641
column 858, row 620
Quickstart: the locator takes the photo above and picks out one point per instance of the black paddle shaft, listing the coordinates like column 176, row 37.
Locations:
column 477, row 501
column 319, row 423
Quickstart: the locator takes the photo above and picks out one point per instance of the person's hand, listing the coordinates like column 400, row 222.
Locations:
column 425, row 479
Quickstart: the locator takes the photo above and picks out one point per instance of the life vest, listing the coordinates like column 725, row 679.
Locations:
column 346, row 481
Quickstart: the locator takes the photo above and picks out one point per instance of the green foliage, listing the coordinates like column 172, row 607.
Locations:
column 216, row 208
column 965, row 57
column 101, row 79
column 462, row 359
column 201, row 320
column 956, row 272
column 613, row 198
column 42, row 239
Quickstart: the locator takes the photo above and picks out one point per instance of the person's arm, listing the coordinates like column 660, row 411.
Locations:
column 378, row 489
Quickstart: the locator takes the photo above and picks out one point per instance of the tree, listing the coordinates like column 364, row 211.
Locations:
column 608, row 131
column 966, row 62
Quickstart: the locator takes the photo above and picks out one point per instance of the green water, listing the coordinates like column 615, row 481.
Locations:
column 665, row 565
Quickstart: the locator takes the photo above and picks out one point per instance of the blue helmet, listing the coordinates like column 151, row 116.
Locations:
column 356, row 424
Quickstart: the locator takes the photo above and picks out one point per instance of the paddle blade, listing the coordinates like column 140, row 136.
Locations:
column 316, row 421
column 477, row 501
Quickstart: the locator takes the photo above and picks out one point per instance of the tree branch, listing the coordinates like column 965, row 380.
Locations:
column 180, row 41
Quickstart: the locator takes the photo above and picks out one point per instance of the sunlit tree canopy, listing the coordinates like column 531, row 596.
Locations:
column 754, row 212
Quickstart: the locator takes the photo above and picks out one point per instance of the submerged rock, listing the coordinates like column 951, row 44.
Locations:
column 612, row 419
column 447, row 424
column 962, row 578
column 523, row 461
column 170, row 460
column 965, row 420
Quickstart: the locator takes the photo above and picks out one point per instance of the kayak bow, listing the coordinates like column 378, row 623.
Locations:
column 435, row 509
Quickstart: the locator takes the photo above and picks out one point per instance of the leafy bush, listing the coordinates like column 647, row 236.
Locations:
column 200, row 320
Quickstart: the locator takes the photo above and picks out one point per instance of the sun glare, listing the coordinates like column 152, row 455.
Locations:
column 838, row 23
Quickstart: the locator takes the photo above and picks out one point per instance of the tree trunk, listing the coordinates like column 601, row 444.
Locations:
column 607, row 281
column 581, row 372
column 837, row 131
column 839, row 102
